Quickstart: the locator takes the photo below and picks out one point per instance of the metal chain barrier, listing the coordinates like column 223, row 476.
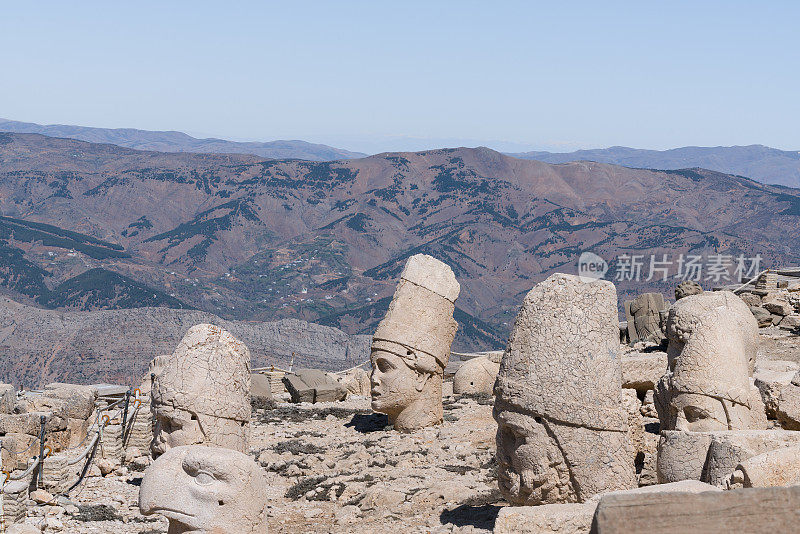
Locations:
column 103, row 418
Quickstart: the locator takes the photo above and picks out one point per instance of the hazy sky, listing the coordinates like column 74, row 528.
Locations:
column 379, row 75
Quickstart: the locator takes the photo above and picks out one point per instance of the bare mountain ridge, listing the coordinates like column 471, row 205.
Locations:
column 761, row 163
column 172, row 141
column 261, row 240
column 41, row 346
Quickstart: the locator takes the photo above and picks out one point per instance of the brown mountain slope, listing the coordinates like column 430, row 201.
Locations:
column 42, row 346
column 325, row 241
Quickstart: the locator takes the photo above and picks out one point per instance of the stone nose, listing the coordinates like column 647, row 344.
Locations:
column 162, row 483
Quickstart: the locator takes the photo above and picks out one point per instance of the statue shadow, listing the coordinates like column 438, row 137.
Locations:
column 481, row 516
column 366, row 423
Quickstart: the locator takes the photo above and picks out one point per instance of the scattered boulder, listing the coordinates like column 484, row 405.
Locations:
column 763, row 317
column 780, row 467
column 642, row 371
column 790, row 322
column 712, row 456
column 313, row 385
column 356, row 381
column 779, row 307
column 751, row 299
column 40, row 496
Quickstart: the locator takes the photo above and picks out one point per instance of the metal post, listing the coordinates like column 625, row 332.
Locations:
column 40, row 472
column 125, row 410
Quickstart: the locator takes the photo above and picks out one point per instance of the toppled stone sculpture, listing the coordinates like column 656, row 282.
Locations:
column 313, row 385
column 713, row 340
column 201, row 393
column 356, row 381
column 712, row 456
column 476, row 376
column 562, row 432
column 780, row 467
column 206, row 490
column 687, row 288
column 411, row 345
column 644, row 317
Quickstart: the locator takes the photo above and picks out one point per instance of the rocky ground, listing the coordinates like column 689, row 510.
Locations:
column 337, row 467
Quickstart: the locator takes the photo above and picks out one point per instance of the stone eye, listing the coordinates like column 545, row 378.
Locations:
column 204, row 479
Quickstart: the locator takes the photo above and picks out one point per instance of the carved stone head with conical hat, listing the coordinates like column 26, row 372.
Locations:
column 411, row 346
column 201, row 393
column 562, row 432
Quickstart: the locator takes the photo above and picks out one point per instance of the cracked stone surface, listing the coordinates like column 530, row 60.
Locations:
column 201, row 392
column 562, row 430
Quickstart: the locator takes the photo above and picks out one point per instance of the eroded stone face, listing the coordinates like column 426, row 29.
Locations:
column 713, row 340
column 531, row 468
column 201, row 393
column 411, row 346
column 562, row 430
column 206, row 490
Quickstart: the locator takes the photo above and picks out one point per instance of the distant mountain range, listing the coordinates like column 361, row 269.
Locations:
column 758, row 162
column 761, row 163
column 252, row 239
column 181, row 142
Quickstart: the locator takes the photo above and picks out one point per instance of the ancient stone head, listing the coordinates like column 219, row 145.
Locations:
column 562, row 430
column 686, row 288
column 713, row 340
column 475, row 377
column 206, row 490
column 201, row 393
column 411, row 346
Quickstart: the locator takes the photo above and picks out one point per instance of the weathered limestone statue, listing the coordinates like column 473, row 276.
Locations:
column 411, row 346
column 713, row 340
column 562, row 432
column 201, row 393
column 644, row 317
column 206, row 490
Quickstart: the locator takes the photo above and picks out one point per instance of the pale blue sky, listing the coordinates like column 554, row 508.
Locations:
column 380, row 75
